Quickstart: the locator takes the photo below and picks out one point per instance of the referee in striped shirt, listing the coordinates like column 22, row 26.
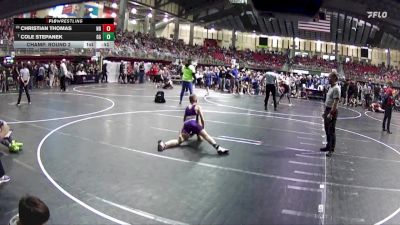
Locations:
column 271, row 81
column 24, row 77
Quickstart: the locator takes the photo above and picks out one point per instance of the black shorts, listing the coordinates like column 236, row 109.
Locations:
column 39, row 78
column 158, row 78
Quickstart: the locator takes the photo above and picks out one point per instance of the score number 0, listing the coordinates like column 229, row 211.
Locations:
column 108, row 27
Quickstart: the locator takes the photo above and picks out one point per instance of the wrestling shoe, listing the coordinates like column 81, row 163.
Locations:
column 161, row 146
column 324, row 149
column 4, row 179
column 222, row 151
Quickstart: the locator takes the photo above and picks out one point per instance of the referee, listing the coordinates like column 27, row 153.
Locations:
column 24, row 78
column 270, row 80
column 388, row 104
column 63, row 74
column 331, row 113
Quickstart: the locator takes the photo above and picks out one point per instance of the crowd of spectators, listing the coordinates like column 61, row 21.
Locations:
column 367, row 72
column 44, row 73
column 314, row 63
column 144, row 45
column 147, row 45
column 7, row 29
column 354, row 70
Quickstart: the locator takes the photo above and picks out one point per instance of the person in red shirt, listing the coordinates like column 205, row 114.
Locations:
column 155, row 73
column 388, row 103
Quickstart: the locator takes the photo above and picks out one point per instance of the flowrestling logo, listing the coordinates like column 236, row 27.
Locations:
column 377, row 14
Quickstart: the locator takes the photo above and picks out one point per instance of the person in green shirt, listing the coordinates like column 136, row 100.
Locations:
column 188, row 76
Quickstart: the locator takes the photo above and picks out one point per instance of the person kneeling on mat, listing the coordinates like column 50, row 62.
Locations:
column 192, row 126
column 6, row 139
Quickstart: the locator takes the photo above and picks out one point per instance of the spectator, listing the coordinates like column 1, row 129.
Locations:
column 3, row 177
column 63, row 74
column 31, row 211
column 24, row 79
column 388, row 104
column 40, row 76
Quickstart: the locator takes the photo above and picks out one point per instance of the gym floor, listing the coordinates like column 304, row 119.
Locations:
column 91, row 155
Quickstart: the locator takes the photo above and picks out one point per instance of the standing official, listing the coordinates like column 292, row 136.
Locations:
column 367, row 94
column 388, row 103
column 63, row 74
column 188, row 76
column 270, row 81
column 23, row 80
column 331, row 113
column 104, row 76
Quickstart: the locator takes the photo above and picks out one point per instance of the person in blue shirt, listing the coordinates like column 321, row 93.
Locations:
column 207, row 80
column 245, row 83
column 215, row 78
column 234, row 82
column 256, row 85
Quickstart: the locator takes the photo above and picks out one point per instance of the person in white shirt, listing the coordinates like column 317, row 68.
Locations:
column 23, row 79
column 271, row 81
column 41, row 76
column 81, row 72
column 52, row 72
column 63, row 74
column 330, row 114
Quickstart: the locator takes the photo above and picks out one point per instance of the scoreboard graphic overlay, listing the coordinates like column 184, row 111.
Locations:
column 64, row 33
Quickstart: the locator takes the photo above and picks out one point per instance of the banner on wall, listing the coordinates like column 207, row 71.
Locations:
column 71, row 10
column 91, row 11
column 56, row 11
